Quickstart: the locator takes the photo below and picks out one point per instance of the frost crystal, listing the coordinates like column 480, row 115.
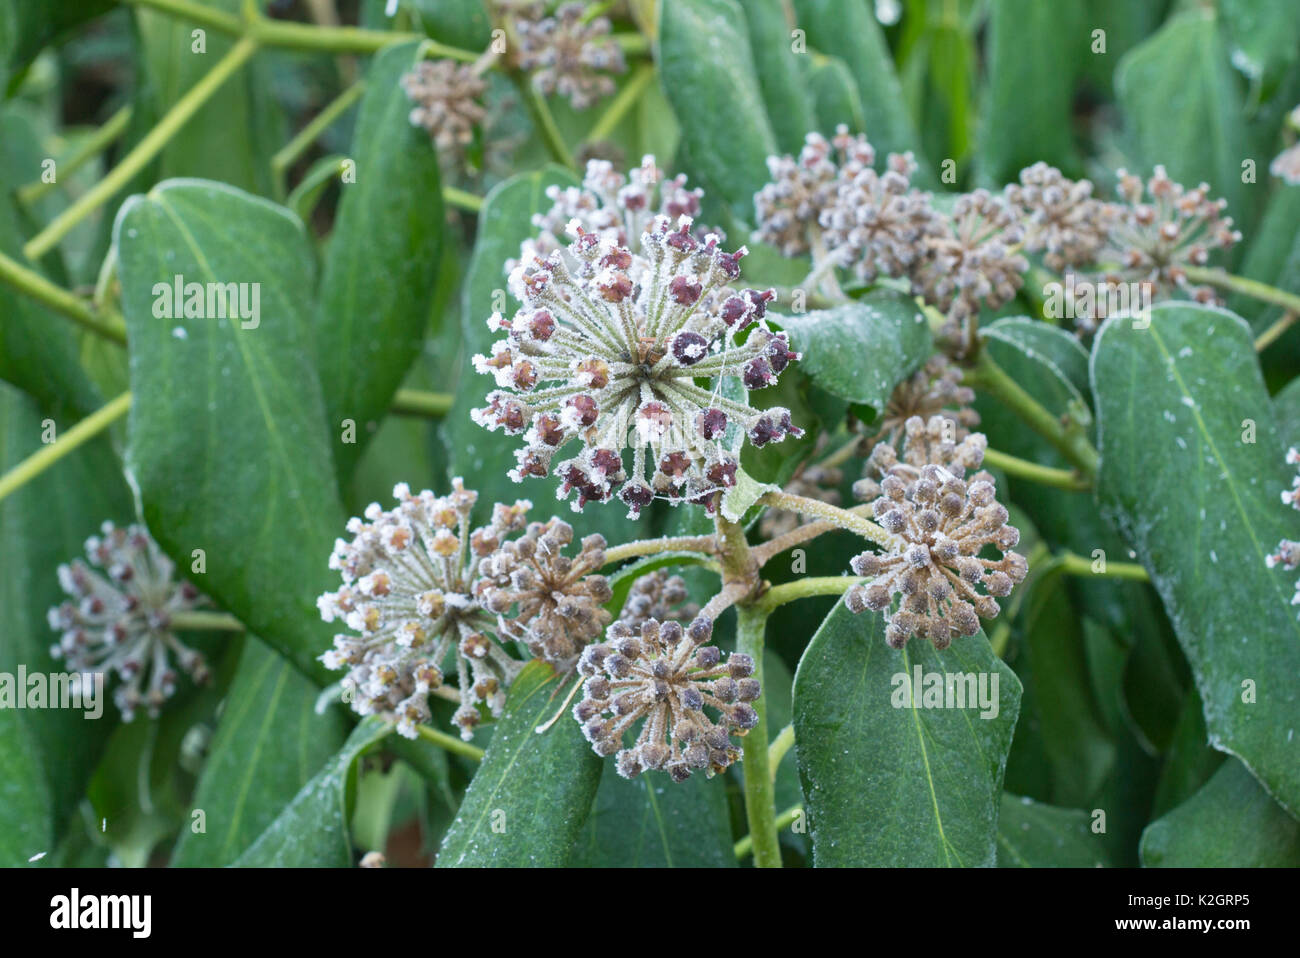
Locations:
column 667, row 676
column 941, row 522
column 606, row 351
column 121, row 622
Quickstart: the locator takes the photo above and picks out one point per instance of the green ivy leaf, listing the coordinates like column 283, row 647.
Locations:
column 890, row 786
column 847, row 29
column 227, row 433
column 43, row 524
column 835, row 96
column 648, row 822
column 531, row 796
column 789, row 106
column 1200, row 506
column 312, row 831
column 1183, row 103
column 38, row 349
column 1264, row 37
column 172, row 64
column 708, row 75
column 26, row 28
column 1033, row 55
column 269, row 743
column 390, row 224
column 458, row 23
column 1033, row 835
column 1230, row 823
column 860, row 351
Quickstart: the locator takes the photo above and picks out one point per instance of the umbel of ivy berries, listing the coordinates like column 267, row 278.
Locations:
column 666, row 676
column 1155, row 235
column 558, row 600
column 446, row 102
column 569, row 55
column 120, row 621
column 933, row 390
column 1061, row 218
column 412, row 592
column 611, row 205
column 941, row 522
column 605, row 354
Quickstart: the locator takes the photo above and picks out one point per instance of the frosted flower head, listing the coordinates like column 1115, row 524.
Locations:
column 1161, row 228
column 800, row 189
column 941, row 522
column 876, row 223
column 568, row 56
column 611, row 205
column 658, row 596
column 973, row 260
column 1061, row 218
column 557, row 600
column 119, row 617
column 933, row 390
column 601, row 360
column 873, row 223
column 446, row 102
column 1286, row 165
column 411, row 596
column 1288, row 551
column 666, row 677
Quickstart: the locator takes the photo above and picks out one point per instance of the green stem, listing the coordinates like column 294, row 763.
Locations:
column 1072, row 564
column 646, row 547
column 1072, row 443
column 1247, row 287
column 299, row 36
column 622, row 103
column 760, row 801
column 1269, row 336
column 1032, row 471
column 48, row 455
column 824, row 510
column 33, row 284
column 288, row 154
column 89, row 148
column 543, row 121
column 461, row 200
column 194, row 13
column 632, row 43
column 450, row 742
column 201, row 621
column 783, row 821
column 417, row 402
column 782, row 744
column 144, row 151
column 805, row 588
